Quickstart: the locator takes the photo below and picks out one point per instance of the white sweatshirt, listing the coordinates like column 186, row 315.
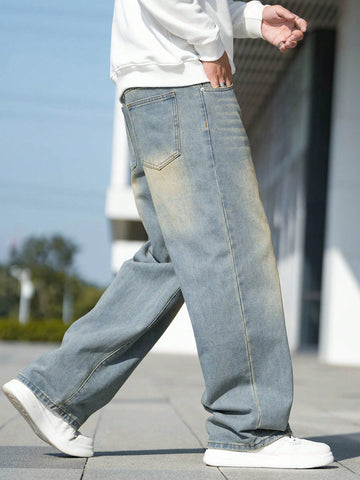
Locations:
column 159, row 43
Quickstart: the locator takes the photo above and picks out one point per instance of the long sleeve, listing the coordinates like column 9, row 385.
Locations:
column 186, row 19
column 246, row 18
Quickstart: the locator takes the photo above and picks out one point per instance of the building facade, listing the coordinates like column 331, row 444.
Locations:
column 302, row 114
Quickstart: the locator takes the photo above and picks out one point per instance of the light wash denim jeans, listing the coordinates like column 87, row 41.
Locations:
column 209, row 243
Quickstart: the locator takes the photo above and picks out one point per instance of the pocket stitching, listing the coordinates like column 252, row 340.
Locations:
column 157, row 98
column 144, row 101
column 217, row 89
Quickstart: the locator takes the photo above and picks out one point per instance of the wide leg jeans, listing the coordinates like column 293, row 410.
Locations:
column 210, row 244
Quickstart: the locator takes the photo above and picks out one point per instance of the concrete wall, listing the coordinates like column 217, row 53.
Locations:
column 279, row 140
column 340, row 316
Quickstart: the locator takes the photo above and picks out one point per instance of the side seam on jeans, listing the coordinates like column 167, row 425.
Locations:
column 248, row 350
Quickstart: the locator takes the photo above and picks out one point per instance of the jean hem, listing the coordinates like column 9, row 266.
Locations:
column 242, row 447
column 49, row 403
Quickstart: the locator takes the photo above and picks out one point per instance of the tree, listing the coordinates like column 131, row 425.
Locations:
column 51, row 262
column 9, row 293
column 55, row 253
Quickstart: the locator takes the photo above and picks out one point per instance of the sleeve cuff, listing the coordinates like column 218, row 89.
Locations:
column 253, row 18
column 211, row 51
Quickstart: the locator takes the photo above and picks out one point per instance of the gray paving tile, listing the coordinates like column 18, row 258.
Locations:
column 144, row 436
column 17, row 432
column 140, row 436
column 148, row 459
column 90, row 426
column 346, row 448
column 332, row 472
column 183, row 392
column 17, row 355
column 38, row 474
column 330, row 427
column 352, row 464
column 38, row 458
column 8, row 414
column 187, row 404
column 158, row 474
column 155, row 426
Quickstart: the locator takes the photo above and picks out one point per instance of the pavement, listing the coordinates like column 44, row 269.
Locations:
column 155, row 426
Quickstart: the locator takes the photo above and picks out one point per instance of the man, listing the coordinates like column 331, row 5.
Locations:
column 209, row 243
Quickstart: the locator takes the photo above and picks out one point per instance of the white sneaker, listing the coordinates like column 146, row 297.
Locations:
column 47, row 425
column 287, row 452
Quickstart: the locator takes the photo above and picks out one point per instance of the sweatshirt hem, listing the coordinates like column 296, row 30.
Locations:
column 158, row 75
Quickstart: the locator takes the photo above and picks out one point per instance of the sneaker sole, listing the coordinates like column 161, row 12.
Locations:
column 226, row 458
column 35, row 418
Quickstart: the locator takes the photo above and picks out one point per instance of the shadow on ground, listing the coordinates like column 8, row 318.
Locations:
column 125, row 453
column 344, row 446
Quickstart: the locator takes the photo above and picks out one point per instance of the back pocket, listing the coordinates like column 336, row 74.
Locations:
column 155, row 124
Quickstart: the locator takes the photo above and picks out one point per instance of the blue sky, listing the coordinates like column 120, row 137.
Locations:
column 56, row 120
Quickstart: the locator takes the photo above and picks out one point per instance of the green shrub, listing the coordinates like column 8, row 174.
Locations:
column 86, row 299
column 35, row 330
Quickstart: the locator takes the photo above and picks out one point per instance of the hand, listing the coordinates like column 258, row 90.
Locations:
column 218, row 71
column 282, row 28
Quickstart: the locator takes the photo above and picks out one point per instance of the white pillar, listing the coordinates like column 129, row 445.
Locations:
column 340, row 312
column 26, row 292
column 120, row 203
column 120, row 151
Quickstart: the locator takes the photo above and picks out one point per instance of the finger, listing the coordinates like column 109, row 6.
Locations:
column 227, row 79
column 225, row 82
column 290, row 44
column 214, row 80
column 282, row 47
column 297, row 35
column 285, row 13
column 301, row 24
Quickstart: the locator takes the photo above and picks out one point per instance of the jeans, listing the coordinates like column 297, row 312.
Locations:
column 210, row 244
